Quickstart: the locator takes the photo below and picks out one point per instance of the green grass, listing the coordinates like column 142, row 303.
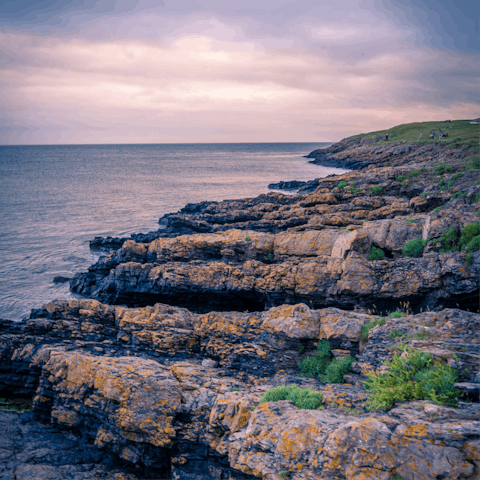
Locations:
column 304, row 398
column 460, row 132
column 366, row 327
column 395, row 334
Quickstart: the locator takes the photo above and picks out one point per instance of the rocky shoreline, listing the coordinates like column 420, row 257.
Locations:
column 160, row 372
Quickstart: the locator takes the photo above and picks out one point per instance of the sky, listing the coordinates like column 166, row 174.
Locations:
column 190, row 71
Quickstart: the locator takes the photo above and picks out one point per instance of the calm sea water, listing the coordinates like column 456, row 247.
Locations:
column 54, row 199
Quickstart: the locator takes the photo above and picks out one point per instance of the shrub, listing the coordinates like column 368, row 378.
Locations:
column 270, row 256
column 377, row 190
column 376, row 254
column 337, row 369
column 470, row 240
column 235, row 389
column 302, row 398
column 366, row 327
column 311, row 366
column 449, row 169
column 416, row 376
column 448, row 241
column 440, row 169
column 342, row 184
column 397, row 314
column 401, row 178
column 353, row 184
column 469, row 258
column 247, row 238
column 414, row 248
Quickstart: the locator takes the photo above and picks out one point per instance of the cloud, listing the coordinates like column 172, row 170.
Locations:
column 207, row 78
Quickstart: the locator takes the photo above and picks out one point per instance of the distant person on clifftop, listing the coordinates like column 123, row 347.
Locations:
column 386, row 137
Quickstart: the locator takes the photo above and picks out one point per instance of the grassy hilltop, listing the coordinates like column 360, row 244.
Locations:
column 460, row 133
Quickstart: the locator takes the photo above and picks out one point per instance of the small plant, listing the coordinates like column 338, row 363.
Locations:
column 396, row 477
column 470, row 238
column 353, row 184
column 448, row 241
column 395, row 334
column 337, row 369
column 422, row 335
column 414, row 248
column 247, row 238
column 440, row 169
column 366, row 327
column 377, row 190
column 342, row 185
column 435, row 210
column 410, row 220
column 469, row 258
column 283, row 475
column 303, row 398
column 270, row 256
column 397, row 314
column 414, row 376
column 301, row 348
column 449, row 169
column 414, row 173
column 235, row 389
column 401, row 178
column 312, row 366
column 376, row 254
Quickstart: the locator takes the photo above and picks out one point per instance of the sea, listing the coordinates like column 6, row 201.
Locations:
column 54, row 199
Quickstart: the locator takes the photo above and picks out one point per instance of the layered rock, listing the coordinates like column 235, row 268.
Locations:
column 248, row 270
column 136, row 385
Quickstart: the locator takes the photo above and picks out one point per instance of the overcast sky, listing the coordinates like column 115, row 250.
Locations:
column 185, row 71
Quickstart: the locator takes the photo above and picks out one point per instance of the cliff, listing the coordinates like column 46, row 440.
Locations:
column 161, row 373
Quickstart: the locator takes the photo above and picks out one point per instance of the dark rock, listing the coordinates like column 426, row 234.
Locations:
column 61, row 279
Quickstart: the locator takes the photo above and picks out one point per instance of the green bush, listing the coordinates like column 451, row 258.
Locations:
column 401, row 178
column 312, row 366
column 448, row 241
column 337, row 369
column 417, row 376
column 469, row 258
column 247, row 238
column 302, row 398
column 469, row 240
column 397, row 314
column 440, row 169
column 414, row 248
column 366, row 327
column 342, row 184
column 376, row 254
column 377, row 190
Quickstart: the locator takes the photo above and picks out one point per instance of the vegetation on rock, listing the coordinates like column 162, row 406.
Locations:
column 376, row 254
column 414, row 248
column 321, row 365
column 415, row 375
column 303, row 398
column 369, row 325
